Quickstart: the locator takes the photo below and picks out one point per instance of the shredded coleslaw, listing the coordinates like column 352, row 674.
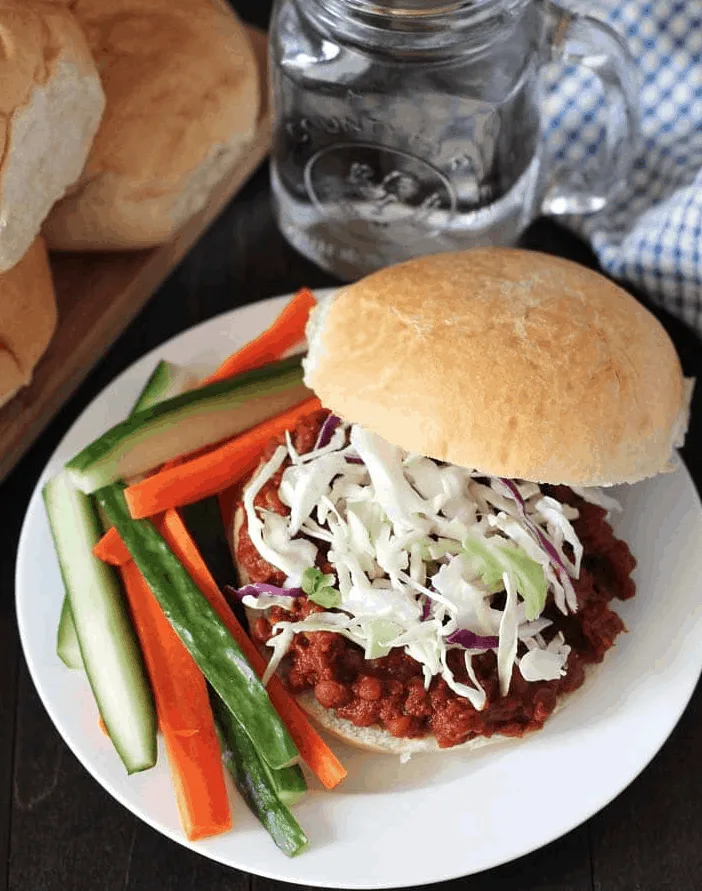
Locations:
column 426, row 556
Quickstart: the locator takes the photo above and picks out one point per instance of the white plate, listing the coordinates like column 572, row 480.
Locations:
column 436, row 818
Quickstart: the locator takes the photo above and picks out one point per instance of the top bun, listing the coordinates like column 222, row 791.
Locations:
column 514, row 363
column 183, row 97
column 51, row 102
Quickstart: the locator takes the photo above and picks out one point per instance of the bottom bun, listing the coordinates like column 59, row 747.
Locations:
column 375, row 739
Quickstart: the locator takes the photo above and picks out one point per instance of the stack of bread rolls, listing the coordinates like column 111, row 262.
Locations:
column 118, row 118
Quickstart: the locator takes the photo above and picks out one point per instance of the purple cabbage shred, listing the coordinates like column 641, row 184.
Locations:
column 326, row 432
column 471, row 641
column 257, row 588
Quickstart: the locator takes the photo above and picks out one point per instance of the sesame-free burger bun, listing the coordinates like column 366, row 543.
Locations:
column 515, row 363
column 183, row 98
column 27, row 318
column 51, row 102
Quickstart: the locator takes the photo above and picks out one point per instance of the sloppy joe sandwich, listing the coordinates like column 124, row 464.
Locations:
column 429, row 561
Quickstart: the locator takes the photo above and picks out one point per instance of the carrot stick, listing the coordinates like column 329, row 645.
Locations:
column 101, row 725
column 211, row 473
column 287, row 331
column 181, row 459
column 184, row 714
column 174, row 462
column 201, row 796
column 111, row 549
column 314, row 751
column 177, row 682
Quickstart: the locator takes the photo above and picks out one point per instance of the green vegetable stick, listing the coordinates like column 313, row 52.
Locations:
column 203, row 633
column 255, row 784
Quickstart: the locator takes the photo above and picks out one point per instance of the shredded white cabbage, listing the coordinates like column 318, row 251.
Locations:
column 271, row 540
column 541, row 665
column 395, row 526
column 545, row 663
column 560, row 531
column 509, row 637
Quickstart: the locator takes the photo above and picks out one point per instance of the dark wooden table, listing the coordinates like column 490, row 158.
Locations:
column 60, row 831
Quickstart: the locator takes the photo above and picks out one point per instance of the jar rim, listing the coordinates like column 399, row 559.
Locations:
column 417, row 9
column 417, row 25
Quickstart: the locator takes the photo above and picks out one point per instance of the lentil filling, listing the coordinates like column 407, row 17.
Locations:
column 390, row 691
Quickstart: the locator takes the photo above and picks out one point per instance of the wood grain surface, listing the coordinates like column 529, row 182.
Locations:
column 60, row 831
column 98, row 295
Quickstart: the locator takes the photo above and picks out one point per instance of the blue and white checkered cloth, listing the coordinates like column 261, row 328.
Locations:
column 651, row 233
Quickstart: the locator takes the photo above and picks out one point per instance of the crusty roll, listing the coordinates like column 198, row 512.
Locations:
column 51, row 102
column 27, row 318
column 514, row 363
column 182, row 105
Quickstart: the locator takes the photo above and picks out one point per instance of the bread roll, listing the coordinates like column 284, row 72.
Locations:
column 377, row 739
column 514, row 363
column 51, row 102
column 27, row 318
column 182, row 105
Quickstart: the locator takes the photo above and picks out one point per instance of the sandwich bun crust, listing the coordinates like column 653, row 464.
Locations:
column 511, row 362
column 51, row 102
column 27, row 318
column 183, row 97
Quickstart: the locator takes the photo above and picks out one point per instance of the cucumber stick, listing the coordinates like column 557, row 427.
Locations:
column 203, row 633
column 253, row 781
column 67, row 646
column 166, row 380
column 204, row 522
column 188, row 422
column 108, row 645
column 289, row 783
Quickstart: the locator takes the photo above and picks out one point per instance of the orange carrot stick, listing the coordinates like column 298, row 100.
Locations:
column 184, row 714
column 177, row 682
column 111, row 549
column 101, row 725
column 203, row 805
column 211, row 473
column 287, row 331
column 313, row 750
column 181, row 459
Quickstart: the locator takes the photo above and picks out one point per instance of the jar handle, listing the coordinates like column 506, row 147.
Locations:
column 574, row 39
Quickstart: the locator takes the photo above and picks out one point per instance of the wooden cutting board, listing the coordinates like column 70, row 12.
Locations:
column 98, row 295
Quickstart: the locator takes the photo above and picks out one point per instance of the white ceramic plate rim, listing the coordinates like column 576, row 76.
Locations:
column 378, row 830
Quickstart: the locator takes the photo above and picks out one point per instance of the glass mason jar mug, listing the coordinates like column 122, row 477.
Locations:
column 406, row 127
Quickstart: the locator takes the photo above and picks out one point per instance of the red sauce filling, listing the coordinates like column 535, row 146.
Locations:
column 390, row 691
